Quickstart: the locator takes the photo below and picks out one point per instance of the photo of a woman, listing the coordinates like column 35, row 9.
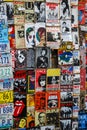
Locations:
column 64, row 10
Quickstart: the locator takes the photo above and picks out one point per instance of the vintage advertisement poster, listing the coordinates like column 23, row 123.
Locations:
column 40, row 84
column 20, row 123
column 53, row 77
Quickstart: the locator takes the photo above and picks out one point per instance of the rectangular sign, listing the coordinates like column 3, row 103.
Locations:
column 5, row 59
column 6, row 72
column 6, row 97
column 6, row 121
column 6, row 108
column 6, row 84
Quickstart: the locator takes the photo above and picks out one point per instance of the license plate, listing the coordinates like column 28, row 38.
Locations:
column 6, row 108
column 5, row 59
column 6, row 97
column 6, row 72
column 6, row 121
column 6, row 84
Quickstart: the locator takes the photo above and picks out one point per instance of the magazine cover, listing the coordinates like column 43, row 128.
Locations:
column 66, row 94
column 19, row 123
column 65, row 26
column 65, row 57
column 20, row 56
column 66, row 110
column 10, row 12
column 40, row 11
column 74, row 14
column 19, row 105
column 40, row 101
column 47, row 127
column 2, row 8
column 20, row 81
column 76, row 89
column 52, row 116
column 40, row 34
column 53, row 77
column 11, row 36
column 53, row 37
column 30, row 117
column 82, row 99
column 30, row 81
column 76, row 79
column 65, row 124
column 52, row 14
column 74, row 124
column 53, row 99
column 42, row 57
column 75, row 38
column 74, row 2
column 65, row 10
column 81, row 13
column 66, row 77
column 19, row 12
column 19, row 36
column 54, row 59
column 31, row 58
column 82, row 120
column 76, row 105
column 40, row 84
column 29, row 35
column 40, row 118
column 76, row 57
column 29, row 12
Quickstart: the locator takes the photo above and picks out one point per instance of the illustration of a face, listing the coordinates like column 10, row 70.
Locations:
column 63, row 5
column 21, row 57
column 42, row 80
column 42, row 83
column 22, row 123
column 31, row 37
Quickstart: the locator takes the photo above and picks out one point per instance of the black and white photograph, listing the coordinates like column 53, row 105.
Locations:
column 74, row 14
column 76, row 58
column 51, row 127
column 66, row 26
column 66, row 111
column 20, row 58
column 66, row 79
column 65, row 124
column 74, row 124
column 40, row 11
column 76, row 79
column 66, row 96
column 76, row 100
column 10, row 12
column 65, row 10
column 75, row 39
column 31, row 58
column 42, row 57
column 2, row 9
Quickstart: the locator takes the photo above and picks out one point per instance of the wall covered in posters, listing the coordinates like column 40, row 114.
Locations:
column 43, row 64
